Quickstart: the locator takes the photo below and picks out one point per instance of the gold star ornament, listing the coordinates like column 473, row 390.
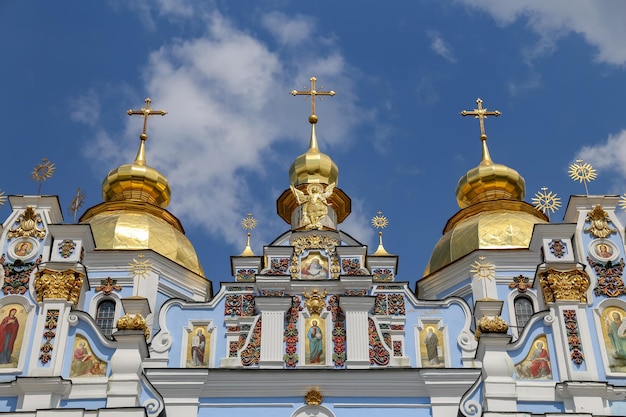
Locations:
column 379, row 221
column 483, row 269
column 248, row 222
column 582, row 172
column 140, row 267
column 546, row 200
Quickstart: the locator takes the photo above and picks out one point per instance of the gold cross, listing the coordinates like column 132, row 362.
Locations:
column 313, row 93
column 481, row 114
column 145, row 113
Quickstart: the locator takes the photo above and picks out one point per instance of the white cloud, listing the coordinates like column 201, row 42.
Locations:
column 229, row 108
column 440, row 46
column 609, row 155
column 290, row 31
column 531, row 83
column 600, row 23
column 85, row 109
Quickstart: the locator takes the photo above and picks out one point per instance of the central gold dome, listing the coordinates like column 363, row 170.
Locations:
column 313, row 166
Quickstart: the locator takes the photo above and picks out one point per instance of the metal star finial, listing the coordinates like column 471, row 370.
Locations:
column 483, row 269
column 379, row 221
column 622, row 202
column 77, row 202
column 546, row 201
column 140, row 267
column 582, row 172
column 3, row 198
column 42, row 171
column 248, row 222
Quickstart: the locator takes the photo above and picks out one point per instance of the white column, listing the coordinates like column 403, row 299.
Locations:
column 500, row 388
column 124, row 389
column 41, row 392
column 356, row 310
column 272, row 328
column 51, row 322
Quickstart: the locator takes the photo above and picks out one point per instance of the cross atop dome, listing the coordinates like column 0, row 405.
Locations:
column 481, row 114
column 313, row 93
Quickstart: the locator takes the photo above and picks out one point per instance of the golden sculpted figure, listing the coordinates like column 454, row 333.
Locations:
column 314, row 204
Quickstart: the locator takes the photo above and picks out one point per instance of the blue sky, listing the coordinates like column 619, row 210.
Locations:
column 223, row 70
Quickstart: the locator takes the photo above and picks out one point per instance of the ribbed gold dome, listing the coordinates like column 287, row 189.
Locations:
column 499, row 224
column 137, row 182
column 134, row 226
column 492, row 215
column 313, row 166
column 489, row 181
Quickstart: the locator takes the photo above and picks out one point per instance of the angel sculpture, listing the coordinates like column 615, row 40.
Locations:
column 314, row 204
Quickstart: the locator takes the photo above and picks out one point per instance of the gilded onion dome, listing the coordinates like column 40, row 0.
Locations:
column 492, row 215
column 133, row 214
column 313, row 166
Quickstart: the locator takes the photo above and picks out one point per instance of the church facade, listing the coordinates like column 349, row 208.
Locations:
column 514, row 316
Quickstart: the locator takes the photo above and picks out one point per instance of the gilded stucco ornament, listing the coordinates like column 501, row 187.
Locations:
column 326, row 243
column 313, row 397
column 28, row 225
column 564, row 285
column 64, row 285
column 599, row 223
column 314, row 204
column 315, row 302
column 495, row 324
column 133, row 322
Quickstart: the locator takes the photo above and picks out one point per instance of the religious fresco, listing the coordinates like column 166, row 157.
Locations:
column 314, row 266
column 315, row 342
column 431, row 347
column 85, row 363
column 13, row 322
column 537, row 364
column 614, row 336
column 198, row 347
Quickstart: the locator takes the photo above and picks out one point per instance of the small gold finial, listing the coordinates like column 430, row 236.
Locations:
column 42, row 171
column 248, row 223
column 3, row 198
column 582, row 172
column 380, row 222
column 144, row 112
column 313, row 93
column 546, row 201
column 77, row 202
column 481, row 114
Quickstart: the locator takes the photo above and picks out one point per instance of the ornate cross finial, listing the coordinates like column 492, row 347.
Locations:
column 481, row 114
column 313, row 93
column 145, row 113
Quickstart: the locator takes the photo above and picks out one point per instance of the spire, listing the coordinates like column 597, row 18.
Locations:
column 313, row 166
column 489, row 180
column 137, row 181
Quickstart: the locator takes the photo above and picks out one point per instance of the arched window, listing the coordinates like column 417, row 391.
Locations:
column 523, row 311
column 105, row 316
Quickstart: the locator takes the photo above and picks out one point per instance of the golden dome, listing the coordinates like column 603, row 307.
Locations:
column 498, row 224
column 492, row 215
column 133, row 214
column 489, row 181
column 137, row 182
column 313, row 166
column 135, row 225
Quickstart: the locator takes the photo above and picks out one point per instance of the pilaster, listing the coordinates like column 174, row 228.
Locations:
column 124, row 387
column 41, row 393
column 356, row 310
column 272, row 328
column 500, row 388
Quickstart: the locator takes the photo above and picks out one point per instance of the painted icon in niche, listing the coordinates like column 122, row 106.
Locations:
column 614, row 332
column 315, row 354
column 85, row 363
column 197, row 352
column 604, row 250
column 23, row 248
column 432, row 353
column 314, row 266
column 536, row 365
column 11, row 334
